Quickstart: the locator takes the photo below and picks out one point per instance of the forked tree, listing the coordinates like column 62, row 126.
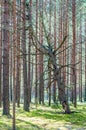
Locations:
column 51, row 54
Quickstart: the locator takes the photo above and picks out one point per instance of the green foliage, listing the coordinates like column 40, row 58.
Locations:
column 54, row 106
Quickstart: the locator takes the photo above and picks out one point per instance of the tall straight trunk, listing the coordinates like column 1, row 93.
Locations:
column 68, row 76
column 36, row 73
column 64, row 22
column 41, row 81
column 80, row 40
column 49, row 81
column 54, row 85
column 18, row 57
column 0, row 70
column 1, row 56
column 49, row 65
column 60, row 34
column 11, row 61
column 29, row 51
column 32, row 80
column 78, row 58
column 14, row 62
column 6, row 110
column 67, row 51
column 65, row 33
column 42, row 66
column 11, row 71
column 74, row 48
column 26, row 96
column 85, row 62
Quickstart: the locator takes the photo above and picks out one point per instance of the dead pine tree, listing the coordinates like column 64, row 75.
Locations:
column 51, row 53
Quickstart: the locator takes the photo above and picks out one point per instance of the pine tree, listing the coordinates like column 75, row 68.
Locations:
column 6, row 109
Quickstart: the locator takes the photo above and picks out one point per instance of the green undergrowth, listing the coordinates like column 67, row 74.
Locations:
column 46, row 118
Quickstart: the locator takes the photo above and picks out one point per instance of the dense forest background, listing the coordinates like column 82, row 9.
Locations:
column 42, row 53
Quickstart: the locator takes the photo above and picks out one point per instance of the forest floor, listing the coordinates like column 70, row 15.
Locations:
column 46, row 118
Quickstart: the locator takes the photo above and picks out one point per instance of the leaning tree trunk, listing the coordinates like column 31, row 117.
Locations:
column 61, row 86
column 61, row 90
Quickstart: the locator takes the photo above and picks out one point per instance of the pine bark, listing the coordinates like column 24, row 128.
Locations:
column 80, row 40
column 26, row 96
column 54, row 85
column 74, row 49
column 14, row 62
column 18, row 57
column 49, row 64
column 6, row 110
column 85, row 62
column 60, row 83
column 36, row 58
column 1, row 57
column 41, row 81
column 29, row 51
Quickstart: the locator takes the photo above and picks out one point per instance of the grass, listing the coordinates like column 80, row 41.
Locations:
column 46, row 118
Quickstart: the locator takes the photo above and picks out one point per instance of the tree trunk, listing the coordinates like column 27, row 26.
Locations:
column 80, row 40
column 18, row 58
column 61, row 86
column 36, row 58
column 61, row 91
column 14, row 63
column 0, row 71
column 85, row 62
column 6, row 110
column 55, row 34
column 1, row 57
column 29, row 51
column 49, row 81
column 41, row 82
column 74, row 49
column 26, row 96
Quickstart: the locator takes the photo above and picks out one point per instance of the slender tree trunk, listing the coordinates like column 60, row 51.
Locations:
column 49, row 64
column 14, row 62
column 26, row 91
column 74, row 49
column 64, row 22
column 85, row 62
column 41, row 81
column 29, row 51
column 18, row 58
column 80, row 40
column 6, row 110
column 11, row 59
column 49, row 81
column 36, row 58
column 1, row 57
column 54, row 85
column 0, row 71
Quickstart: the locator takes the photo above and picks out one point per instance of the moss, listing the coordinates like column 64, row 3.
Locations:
column 44, row 118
